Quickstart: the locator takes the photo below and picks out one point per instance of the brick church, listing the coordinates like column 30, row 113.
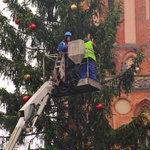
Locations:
column 133, row 33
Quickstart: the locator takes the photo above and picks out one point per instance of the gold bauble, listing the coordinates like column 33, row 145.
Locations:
column 5, row 1
column 27, row 76
column 73, row 7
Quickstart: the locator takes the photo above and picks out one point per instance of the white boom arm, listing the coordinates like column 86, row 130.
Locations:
column 36, row 102
column 34, row 107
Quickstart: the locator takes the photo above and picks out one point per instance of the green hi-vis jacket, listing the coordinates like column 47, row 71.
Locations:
column 89, row 50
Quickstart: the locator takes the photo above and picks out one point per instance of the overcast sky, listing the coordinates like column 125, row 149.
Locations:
column 35, row 143
column 5, row 83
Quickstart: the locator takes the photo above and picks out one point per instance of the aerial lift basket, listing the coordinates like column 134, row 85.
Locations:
column 76, row 51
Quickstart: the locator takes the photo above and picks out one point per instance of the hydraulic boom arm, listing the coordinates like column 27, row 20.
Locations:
column 61, row 84
column 32, row 109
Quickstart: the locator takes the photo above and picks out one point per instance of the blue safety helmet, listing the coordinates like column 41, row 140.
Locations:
column 68, row 34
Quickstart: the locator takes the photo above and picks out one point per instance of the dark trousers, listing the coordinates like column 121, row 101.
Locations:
column 71, row 72
column 87, row 69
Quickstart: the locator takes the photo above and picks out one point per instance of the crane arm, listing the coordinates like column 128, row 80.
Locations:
column 30, row 112
column 36, row 103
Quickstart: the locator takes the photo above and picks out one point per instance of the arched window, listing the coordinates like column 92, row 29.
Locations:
column 144, row 104
column 128, row 58
column 129, row 62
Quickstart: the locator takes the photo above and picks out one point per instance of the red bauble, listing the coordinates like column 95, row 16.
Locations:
column 26, row 98
column 99, row 106
column 140, row 123
column 17, row 21
column 32, row 26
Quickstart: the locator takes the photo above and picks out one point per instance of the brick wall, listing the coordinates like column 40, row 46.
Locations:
column 123, row 53
column 137, row 96
column 141, row 97
column 134, row 98
column 142, row 25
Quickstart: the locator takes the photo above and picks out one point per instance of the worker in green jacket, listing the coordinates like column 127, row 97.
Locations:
column 87, row 69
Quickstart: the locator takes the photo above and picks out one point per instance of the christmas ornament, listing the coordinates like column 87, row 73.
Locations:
column 99, row 106
column 26, row 98
column 139, row 123
column 5, row 1
column 137, row 69
column 73, row 7
column 65, row 134
column 27, row 76
column 32, row 26
column 17, row 21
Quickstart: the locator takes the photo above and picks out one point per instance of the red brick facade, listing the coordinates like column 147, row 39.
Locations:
column 142, row 24
column 140, row 97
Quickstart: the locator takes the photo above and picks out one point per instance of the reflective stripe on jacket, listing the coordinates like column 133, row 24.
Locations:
column 89, row 50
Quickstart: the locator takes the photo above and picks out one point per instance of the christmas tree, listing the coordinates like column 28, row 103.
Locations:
column 70, row 122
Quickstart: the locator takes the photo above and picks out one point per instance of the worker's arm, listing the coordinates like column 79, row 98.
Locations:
column 95, row 47
column 62, row 47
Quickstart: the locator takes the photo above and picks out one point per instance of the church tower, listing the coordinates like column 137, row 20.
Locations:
column 132, row 34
